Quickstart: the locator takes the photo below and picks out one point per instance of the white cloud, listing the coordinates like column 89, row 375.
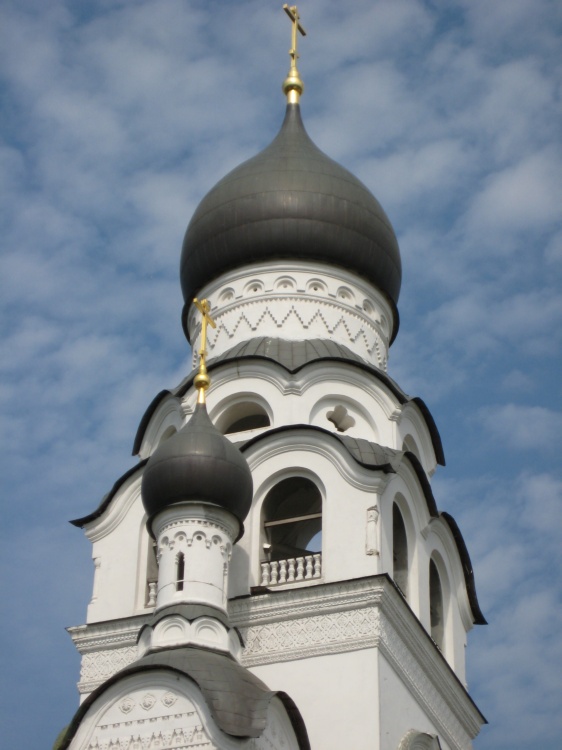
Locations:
column 525, row 196
column 523, row 427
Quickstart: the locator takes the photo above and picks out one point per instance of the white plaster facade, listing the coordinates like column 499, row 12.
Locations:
column 333, row 632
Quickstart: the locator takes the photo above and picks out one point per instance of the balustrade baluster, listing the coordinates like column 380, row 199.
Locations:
column 151, row 594
column 278, row 572
column 265, row 574
column 317, row 566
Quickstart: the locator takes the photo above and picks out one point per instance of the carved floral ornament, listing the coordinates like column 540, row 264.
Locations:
column 147, row 702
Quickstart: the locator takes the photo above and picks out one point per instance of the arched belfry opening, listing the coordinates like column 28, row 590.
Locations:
column 292, row 519
column 436, row 608
column 399, row 551
column 244, row 416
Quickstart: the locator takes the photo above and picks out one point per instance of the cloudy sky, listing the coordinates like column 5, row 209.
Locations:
column 117, row 117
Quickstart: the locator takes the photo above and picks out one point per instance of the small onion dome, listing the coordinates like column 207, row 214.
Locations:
column 291, row 201
column 197, row 464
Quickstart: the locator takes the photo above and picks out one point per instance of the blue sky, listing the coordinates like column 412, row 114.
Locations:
column 118, row 116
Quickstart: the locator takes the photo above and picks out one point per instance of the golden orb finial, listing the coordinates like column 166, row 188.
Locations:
column 293, row 85
column 202, row 380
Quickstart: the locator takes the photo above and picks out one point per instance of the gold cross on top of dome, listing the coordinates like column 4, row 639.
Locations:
column 293, row 85
column 202, row 380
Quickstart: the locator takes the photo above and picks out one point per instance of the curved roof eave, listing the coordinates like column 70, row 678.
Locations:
column 468, row 571
column 146, row 419
column 294, row 356
column 106, row 500
column 365, row 453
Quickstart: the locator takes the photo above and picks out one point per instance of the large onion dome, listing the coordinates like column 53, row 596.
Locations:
column 291, row 201
column 197, row 464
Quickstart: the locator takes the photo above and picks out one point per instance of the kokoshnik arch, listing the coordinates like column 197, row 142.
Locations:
column 274, row 572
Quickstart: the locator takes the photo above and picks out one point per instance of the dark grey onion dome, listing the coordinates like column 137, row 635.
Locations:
column 290, row 201
column 197, row 464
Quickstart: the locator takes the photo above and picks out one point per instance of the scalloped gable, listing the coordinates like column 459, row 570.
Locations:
column 294, row 356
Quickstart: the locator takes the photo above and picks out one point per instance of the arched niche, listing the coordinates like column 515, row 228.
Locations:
column 344, row 416
column 402, row 525
column 400, row 551
column 247, row 412
column 438, row 601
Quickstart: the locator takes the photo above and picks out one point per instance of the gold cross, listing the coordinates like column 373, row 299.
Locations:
column 202, row 380
column 293, row 14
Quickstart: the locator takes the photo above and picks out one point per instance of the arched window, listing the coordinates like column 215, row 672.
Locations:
column 436, row 612
column 248, row 422
column 399, row 551
column 240, row 417
column 292, row 519
column 180, row 571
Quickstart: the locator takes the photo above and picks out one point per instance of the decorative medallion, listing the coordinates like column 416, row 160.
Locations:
column 127, row 705
column 168, row 699
column 148, row 701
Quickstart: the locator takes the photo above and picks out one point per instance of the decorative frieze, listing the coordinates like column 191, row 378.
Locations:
column 312, row 636
column 100, row 665
column 297, row 302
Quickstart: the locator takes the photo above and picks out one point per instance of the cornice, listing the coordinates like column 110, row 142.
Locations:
column 354, row 615
column 108, row 634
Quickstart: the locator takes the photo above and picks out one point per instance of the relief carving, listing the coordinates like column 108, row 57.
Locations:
column 330, row 633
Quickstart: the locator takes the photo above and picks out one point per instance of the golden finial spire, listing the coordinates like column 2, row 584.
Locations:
column 293, row 85
column 202, row 380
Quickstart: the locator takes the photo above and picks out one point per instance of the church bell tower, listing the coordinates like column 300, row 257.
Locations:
column 274, row 572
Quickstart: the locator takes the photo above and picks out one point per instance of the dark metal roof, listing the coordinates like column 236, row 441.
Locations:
column 290, row 201
column 237, row 699
column 371, row 455
column 293, row 356
column 197, row 463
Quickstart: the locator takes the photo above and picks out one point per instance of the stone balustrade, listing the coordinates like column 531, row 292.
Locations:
column 292, row 570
